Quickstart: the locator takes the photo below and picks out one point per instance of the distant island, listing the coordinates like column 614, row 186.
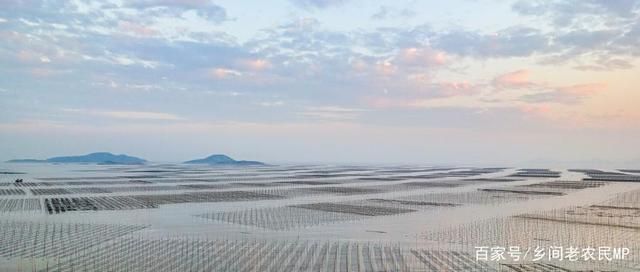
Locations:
column 97, row 158
column 219, row 159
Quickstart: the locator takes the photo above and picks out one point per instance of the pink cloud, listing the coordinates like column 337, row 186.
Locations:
column 416, row 99
column 547, row 93
column 386, row 68
column 409, row 63
column 583, row 89
column 457, row 88
column 222, row 73
column 255, row 64
column 421, row 57
column 516, row 79
column 571, row 94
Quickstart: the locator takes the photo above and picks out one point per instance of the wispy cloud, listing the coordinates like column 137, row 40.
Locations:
column 255, row 64
column 388, row 12
column 543, row 91
column 271, row 103
column 333, row 113
column 204, row 8
column 515, row 79
column 126, row 115
column 566, row 94
column 140, row 115
column 222, row 73
column 318, row 3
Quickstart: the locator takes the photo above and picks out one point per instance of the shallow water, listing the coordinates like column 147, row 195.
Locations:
column 265, row 201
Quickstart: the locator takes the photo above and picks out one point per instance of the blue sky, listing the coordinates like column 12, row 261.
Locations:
column 491, row 82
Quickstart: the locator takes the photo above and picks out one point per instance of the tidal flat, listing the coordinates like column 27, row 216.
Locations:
column 176, row 217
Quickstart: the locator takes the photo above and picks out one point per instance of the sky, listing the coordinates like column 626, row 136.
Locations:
column 330, row 81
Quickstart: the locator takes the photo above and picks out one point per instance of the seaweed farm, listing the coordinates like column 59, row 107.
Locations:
column 174, row 217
